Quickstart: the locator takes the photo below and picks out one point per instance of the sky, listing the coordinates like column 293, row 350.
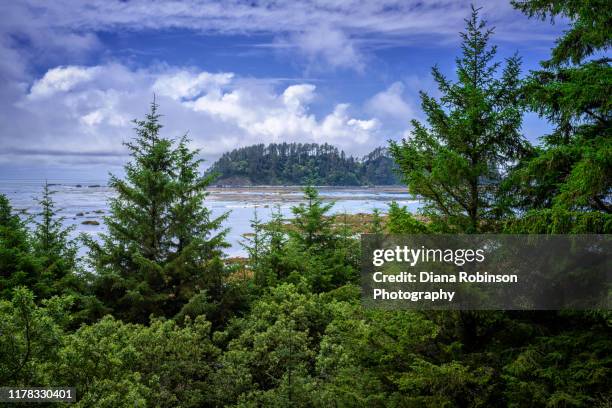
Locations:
column 74, row 74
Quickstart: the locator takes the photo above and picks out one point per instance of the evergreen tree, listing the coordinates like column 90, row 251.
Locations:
column 160, row 244
column 572, row 170
column 401, row 221
column 192, row 222
column 300, row 164
column 377, row 227
column 313, row 225
column 55, row 251
column 457, row 163
column 271, row 266
column 255, row 246
column 18, row 265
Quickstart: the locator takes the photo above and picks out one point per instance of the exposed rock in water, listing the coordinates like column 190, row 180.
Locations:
column 98, row 212
column 80, row 214
column 91, row 222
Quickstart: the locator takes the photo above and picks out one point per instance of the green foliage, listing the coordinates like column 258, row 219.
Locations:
column 55, row 251
column 159, row 365
column 401, row 221
column 313, row 228
column 570, row 369
column 276, row 345
column 377, row 225
column 457, row 164
column 30, row 337
column 590, row 28
column 44, row 259
column 162, row 245
column 573, row 169
column 300, row 164
column 559, row 221
column 18, row 265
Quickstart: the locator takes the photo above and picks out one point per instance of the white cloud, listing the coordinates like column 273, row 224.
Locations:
column 61, row 79
column 87, row 111
column 188, row 85
column 332, row 32
column 296, row 96
column 391, row 104
column 331, row 46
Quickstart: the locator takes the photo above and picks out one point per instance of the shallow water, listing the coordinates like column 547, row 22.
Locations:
column 90, row 197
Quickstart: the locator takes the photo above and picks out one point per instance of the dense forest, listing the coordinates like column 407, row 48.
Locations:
column 159, row 317
column 302, row 164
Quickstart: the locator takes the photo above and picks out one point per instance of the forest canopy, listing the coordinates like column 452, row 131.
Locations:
column 301, row 164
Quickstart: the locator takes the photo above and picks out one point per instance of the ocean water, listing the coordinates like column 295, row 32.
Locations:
column 90, row 198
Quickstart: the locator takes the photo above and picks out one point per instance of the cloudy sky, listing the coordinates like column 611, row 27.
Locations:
column 73, row 74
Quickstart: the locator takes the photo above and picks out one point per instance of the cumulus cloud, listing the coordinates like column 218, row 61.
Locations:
column 391, row 104
column 87, row 111
column 61, row 79
column 83, row 105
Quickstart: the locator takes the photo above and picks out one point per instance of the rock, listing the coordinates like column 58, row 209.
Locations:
column 79, row 214
column 94, row 186
column 99, row 212
column 90, row 222
column 78, row 185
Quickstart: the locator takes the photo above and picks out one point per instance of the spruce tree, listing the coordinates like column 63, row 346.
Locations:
column 160, row 238
column 376, row 226
column 55, row 250
column 275, row 236
column 457, row 163
column 572, row 169
column 18, row 266
column 255, row 245
column 313, row 225
column 192, row 222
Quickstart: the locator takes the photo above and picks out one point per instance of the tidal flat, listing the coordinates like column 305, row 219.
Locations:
column 82, row 203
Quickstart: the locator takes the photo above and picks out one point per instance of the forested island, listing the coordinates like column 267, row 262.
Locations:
column 302, row 164
column 156, row 315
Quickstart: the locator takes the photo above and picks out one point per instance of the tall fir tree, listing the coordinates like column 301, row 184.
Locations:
column 572, row 169
column 160, row 239
column 55, row 250
column 376, row 226
column 457, row 163
column 255, row 246
column 313, row 224
column 18, row 265
column 192, row 222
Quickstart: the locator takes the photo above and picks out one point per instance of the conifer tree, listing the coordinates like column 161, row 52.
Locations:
column 376, row 227
column 254, row 244
column 275, row 236
column 313, row 225
column 457, row 163
column 192, row 221
column 572, row 169
column 160, row 239
column 18, row 266
column 55, row 251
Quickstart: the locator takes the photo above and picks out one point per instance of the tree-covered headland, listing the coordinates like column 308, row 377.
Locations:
column 161, row 318
column 303, row 164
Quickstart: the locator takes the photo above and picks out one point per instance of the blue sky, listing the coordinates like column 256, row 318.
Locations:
column 232, row 73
